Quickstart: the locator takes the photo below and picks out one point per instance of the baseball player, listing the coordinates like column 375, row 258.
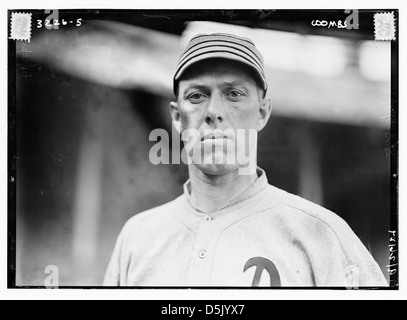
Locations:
column 230, row 229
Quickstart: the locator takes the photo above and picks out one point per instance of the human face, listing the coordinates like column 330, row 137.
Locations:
column 218, row 97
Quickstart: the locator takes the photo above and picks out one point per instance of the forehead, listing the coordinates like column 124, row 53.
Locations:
column 218, row 68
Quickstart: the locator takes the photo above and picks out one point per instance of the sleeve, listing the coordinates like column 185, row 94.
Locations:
column 360, row 268
column 338, row 256
column 113, row 276
column 353, row 270
column 365, row 275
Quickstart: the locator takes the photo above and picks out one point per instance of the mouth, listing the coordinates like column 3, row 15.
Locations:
column 214, row 135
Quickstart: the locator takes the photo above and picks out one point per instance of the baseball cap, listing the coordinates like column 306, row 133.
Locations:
column 221, row 45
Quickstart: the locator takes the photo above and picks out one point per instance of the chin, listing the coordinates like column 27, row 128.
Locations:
column 216, row 169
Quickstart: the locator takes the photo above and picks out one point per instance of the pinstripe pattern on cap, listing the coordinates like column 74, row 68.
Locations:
column 221, row 45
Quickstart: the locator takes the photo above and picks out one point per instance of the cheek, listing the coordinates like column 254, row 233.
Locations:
column 191, row 118
column 244, row 118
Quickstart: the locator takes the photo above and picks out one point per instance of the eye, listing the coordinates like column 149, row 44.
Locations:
column 196, row 97
column 234, row 95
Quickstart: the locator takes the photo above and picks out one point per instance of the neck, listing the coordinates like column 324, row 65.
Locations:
column 210, row 192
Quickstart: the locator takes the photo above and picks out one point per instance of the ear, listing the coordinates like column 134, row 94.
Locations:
column 176, row 118
column 264, row 113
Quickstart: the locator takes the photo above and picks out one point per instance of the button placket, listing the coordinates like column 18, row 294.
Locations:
column 203, row 254
column 202, row 258
column 207, row 218
column 204, row 240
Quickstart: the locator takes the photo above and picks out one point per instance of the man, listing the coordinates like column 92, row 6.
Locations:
column 230, row 227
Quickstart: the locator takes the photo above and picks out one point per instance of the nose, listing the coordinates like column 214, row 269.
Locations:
column 214, row 110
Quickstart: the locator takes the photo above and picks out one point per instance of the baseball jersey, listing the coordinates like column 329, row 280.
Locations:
column 263, row 237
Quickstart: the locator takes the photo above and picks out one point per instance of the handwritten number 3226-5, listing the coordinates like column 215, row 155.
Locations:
column 57, row 23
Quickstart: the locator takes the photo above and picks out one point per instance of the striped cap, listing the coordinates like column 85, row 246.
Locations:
column 220, row 45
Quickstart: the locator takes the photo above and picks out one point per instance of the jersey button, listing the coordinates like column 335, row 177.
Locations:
column 207, row 219
column 202, row 254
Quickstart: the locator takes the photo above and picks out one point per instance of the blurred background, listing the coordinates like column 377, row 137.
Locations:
column 88, row 96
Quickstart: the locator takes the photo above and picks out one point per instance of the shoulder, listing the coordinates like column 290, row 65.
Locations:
column 319, row 224
column 307, row 210
column 154, row 218
column 329, row 230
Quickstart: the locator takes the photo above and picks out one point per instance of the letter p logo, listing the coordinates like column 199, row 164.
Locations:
column 262, row 264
